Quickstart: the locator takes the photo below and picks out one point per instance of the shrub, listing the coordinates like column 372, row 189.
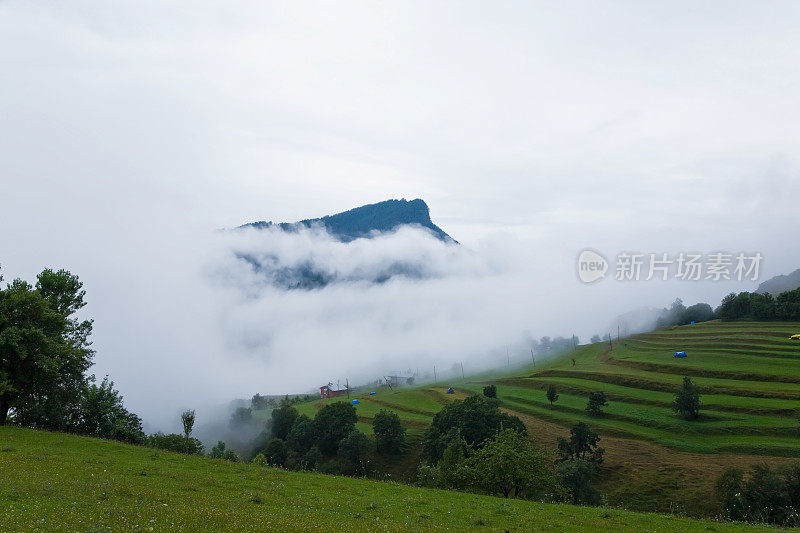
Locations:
column 508, row 464
column 353, row 450
column 576, row 477
column 490, row 391
column 241, row 416
column 176, row 443
column 103, row 415
column 312, row 460
column 220, row 451
column 276, row 452
column 259, row 460
column 764, row 495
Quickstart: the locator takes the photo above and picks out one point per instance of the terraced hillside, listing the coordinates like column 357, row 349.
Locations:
column 748, row 373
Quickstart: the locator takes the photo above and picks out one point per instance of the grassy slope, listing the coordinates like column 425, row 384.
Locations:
column 57, row 482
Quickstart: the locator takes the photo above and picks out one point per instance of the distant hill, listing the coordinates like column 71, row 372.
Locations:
column 363, row 221
column 782, row 283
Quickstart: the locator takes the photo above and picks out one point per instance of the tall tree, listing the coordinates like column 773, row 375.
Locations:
column 582, row 444
column 332, row 423
column 282, row 420
column 687, row 400
column 45, row 351
column 552, row 394
column 596, row 401
column 55, row 400
column 187, row 418
column 390, row 435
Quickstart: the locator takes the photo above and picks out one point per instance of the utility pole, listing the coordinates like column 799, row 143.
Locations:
column 462, row 371
column 533, row 358
column 434, row 375
column 610, row 346
column 347, row 384
column 617, row 333
column 508, row 358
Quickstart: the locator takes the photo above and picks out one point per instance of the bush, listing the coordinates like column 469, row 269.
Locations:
column 353, row 450
column 475, row 419
column 220, row 451
column 259, row 460
column 763, row 496
column 241, row 416
column 276, row 452
column 490, row 391
column 312, row 460
column 390, row 435
column 576, row 478
column 104, row 416
column 176, row 443
column 332, row 423
column 508, row 464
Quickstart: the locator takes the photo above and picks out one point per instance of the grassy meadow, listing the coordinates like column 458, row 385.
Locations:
column 59, row 482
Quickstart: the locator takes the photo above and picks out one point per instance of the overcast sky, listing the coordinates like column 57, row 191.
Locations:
column 129, row 131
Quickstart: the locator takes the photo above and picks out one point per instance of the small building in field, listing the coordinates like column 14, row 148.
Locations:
column 400, row 379
column 327, row 391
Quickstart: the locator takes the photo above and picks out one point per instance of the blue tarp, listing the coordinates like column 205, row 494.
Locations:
column 371, row 393
column 449, row 390
column 680, row 354
column 354, row 402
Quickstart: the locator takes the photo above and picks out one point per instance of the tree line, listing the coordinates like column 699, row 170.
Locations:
column 329, row 442
column 741, row 306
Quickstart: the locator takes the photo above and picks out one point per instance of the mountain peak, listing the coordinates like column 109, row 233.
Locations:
column 362, row 221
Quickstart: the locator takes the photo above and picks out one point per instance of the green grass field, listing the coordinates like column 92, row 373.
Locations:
column 58, row 482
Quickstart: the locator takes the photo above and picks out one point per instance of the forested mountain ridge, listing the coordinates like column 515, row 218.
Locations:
column 362, row 221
